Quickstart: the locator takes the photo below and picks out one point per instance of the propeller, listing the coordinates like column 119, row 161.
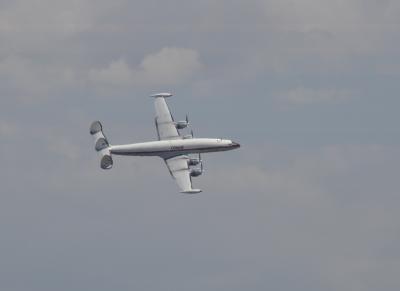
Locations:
column 183, row 123
column 201, row 164
column 188, row 123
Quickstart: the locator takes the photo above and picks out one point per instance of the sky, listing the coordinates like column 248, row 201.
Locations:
column 309, row 88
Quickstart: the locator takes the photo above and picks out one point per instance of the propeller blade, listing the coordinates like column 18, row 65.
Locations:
column 187, row 119
column 191, row 132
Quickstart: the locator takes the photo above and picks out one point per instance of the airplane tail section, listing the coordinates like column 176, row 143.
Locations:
column 101, row 145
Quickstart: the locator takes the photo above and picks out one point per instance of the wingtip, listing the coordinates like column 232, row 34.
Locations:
column 164, row 95
column 192, row 191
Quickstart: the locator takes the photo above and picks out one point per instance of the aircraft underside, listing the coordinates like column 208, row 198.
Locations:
column 175, row 148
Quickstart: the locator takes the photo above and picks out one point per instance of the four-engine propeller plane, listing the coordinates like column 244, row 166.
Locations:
column 175, row 149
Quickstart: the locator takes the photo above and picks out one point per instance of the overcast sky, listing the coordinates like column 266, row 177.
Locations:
column 309, row 88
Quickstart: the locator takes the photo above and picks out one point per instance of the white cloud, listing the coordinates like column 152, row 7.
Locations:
column 117, row 73
column 169, row 66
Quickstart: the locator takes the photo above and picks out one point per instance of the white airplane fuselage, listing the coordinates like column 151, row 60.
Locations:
column 170, row 148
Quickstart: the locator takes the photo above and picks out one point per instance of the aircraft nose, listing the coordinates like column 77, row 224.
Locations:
column 235, row 145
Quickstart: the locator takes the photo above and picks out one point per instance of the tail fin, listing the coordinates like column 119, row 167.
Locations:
column 101, row 145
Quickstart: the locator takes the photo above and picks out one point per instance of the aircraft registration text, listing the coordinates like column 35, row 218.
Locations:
column 177, row 148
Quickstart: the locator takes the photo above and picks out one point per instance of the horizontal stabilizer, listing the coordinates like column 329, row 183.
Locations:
column 101, row 145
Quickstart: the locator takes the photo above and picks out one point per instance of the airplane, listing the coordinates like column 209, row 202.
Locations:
column 173, row 147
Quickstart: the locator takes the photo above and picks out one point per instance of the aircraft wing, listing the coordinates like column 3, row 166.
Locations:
column 164, row 121
column 179, row 169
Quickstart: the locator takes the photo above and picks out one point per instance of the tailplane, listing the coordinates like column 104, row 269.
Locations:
column 101, row 145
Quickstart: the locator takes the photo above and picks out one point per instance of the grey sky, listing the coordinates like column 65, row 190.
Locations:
column 309, row 88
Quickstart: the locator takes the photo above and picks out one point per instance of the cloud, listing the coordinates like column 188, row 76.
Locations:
column 315, row 211
column 360, row 25
column 169, row 66
column 28, row 80
column 64, row 148
column 304, row 96
column 303, row 174
column 117, row 73
column 48, row 18
column 7, row 129
column 307, row 36
column 324, row 206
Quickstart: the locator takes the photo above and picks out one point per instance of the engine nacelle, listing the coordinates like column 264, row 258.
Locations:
column 193, row 162
column 195, row 172
column 181, row 124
